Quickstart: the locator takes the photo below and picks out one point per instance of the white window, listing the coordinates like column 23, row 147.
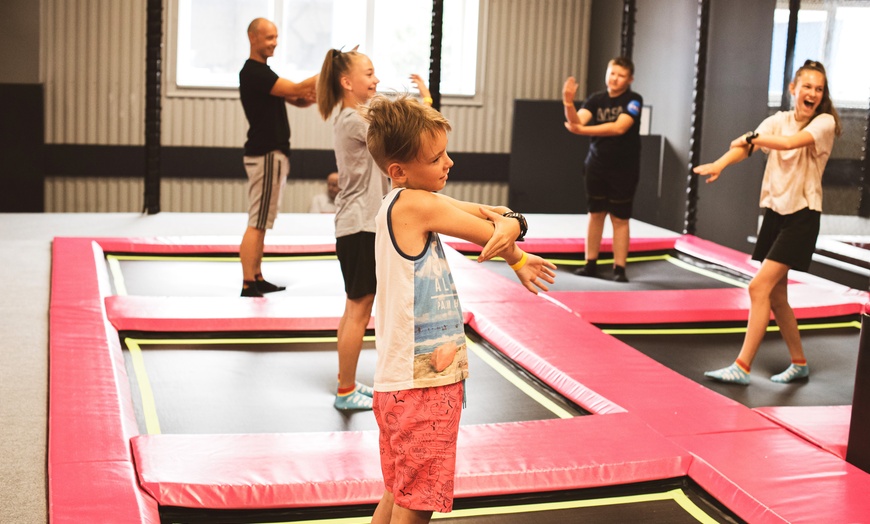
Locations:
column 208, row 41
column 834, row 32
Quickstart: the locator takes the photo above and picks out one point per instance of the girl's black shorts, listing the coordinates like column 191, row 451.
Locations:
column 788, row 239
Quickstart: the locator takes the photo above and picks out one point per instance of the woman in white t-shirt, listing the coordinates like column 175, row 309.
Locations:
column 798, row 144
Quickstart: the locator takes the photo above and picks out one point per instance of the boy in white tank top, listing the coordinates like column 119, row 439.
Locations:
column 420, row 337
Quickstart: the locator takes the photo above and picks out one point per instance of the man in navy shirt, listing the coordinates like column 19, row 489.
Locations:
column 267, row 150
column 612, row 119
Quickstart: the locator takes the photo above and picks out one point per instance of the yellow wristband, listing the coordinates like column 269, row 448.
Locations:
column 427, row 100
column 566, row 104
column 519, row 265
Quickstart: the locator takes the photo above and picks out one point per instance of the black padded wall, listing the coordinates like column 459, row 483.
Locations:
column 546, row 161
column 21, row 148
column 546, row 164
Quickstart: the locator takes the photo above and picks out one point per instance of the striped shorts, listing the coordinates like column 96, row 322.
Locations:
column 267, row 176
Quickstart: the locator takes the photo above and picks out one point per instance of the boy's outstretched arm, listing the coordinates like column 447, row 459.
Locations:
column 507, row 230
column 532, row 270
column 418, row 212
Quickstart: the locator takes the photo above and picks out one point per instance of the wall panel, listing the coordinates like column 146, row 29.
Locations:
column 94, row 71
column 93, row 67
column 124, row 195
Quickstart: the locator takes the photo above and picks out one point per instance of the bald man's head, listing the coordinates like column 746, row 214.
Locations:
column 263, row 36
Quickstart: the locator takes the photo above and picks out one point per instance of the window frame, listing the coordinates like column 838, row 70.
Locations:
column 173, row 90
column 775, row 98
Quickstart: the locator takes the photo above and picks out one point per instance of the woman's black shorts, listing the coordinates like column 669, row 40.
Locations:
column 788, row 239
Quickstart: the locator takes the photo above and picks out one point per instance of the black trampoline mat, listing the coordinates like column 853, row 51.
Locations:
column 245, row 387
column 669, row 501
column 832, row 355
column 164, row 275
column 644, row 273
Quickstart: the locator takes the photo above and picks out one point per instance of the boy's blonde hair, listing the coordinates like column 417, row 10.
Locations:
column 396, row 126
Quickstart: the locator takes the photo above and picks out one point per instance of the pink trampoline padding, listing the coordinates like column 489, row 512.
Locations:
column 570, row 245
column 774, row 476
column 710, row 251
column 205, row 314
column 475, row 283
column 334, row 469
column 549, row 455
column 259, row 471
column 701, row 305
column 825, row 426
column 212, row 245
column 90, row 469
column 738, row 455
column 221, row 314
column 104, row 491
column 580, row 362
column 738, row 261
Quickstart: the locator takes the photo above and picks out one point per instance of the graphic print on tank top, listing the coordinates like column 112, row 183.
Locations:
column 439, row 336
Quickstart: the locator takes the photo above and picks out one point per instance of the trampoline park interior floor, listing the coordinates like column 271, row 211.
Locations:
column 174, row 400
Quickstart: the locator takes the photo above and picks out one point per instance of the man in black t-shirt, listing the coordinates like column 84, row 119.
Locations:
column 267, row 150
column 612, row 119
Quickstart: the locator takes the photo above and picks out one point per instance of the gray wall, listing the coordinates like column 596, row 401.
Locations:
column 664, row 71
column 738, row 69
column 736, row 101
column 604, row 41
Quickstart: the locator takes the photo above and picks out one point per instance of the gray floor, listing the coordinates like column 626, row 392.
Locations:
column 25, row 268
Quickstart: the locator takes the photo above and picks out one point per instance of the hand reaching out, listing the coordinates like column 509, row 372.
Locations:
column 569, row 90
column 709, row 170
column 418, row 82
column 535, row 272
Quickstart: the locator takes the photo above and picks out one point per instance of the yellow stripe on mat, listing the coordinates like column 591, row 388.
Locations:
column 149, row 409
column 511, row 377
column 707, row 273
column 573, row 262
column 199, row 258
column 117, row 275
column 725, row 330
column 677, row 495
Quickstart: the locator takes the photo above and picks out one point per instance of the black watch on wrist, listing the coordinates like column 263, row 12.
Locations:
column 749, row 137
column 524, row 226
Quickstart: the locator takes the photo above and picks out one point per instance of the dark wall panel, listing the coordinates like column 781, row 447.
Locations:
column 83, row 160
column 738, row 69
column 21, row 148
column 546, row 164
column 546, row 161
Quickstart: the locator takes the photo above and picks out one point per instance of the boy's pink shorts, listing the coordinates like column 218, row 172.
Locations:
column 418, row 429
